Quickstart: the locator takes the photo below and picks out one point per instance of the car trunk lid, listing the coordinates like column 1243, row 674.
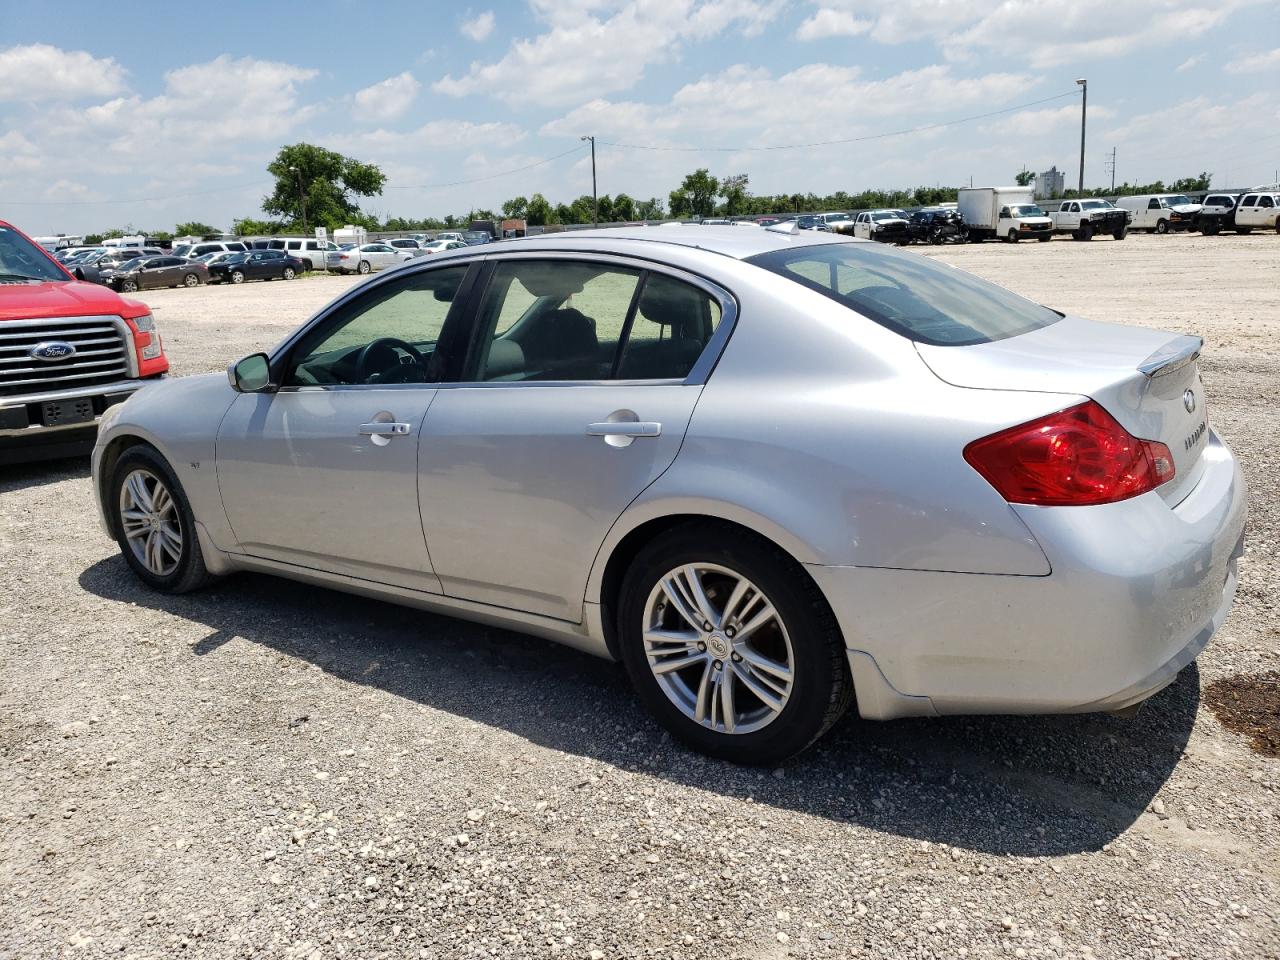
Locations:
column 1149, row 380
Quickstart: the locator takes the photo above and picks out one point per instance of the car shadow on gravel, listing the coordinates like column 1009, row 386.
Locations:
column 1029, row 786
column 25, row 476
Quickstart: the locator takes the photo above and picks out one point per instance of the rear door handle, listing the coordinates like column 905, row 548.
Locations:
column 384, row 429
column 624, row 428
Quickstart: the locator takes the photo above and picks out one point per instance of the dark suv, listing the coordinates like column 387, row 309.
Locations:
column 936, row 226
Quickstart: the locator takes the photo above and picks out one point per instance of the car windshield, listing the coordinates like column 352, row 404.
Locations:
column 1178, row 201
column 20, row 259
column 129, row 264
column 886, row 215
column 1026, row 210
column 912, row 295
column 1095, row 205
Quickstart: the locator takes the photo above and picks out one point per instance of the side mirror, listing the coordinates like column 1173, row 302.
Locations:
column 251, row 375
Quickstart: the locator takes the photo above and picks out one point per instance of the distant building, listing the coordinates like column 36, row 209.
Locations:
column 1049, row 183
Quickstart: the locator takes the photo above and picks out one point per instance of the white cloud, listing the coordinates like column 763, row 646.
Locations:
column 1053, row 120
column 387, row 100
column 602, row 46
column 478, row 27
column 827, row 22
column 1046, row 32
column 1258, row 63
column 39, row 71
column 430, row 138
column 1190, row 62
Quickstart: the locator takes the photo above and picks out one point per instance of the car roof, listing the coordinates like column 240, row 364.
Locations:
column 727, row 240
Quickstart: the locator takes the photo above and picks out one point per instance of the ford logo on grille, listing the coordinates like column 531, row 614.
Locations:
column 51, row 350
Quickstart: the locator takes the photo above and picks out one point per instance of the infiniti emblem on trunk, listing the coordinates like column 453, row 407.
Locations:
column 1189, row 401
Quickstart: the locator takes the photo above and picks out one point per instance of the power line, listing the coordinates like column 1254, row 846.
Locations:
column 829, row 143
column 492, row 176
column 92, row 203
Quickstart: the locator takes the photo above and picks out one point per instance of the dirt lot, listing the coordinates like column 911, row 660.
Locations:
column 266, row 769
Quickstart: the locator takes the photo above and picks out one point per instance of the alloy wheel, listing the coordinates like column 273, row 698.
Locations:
column 151, row 522
column 191, row 280
column 718, row 648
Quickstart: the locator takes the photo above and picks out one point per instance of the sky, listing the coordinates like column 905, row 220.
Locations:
column 149, row 117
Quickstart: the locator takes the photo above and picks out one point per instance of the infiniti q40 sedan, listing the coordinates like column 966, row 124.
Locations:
column 774, row 472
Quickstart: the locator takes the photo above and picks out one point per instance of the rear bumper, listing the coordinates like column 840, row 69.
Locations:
column 25, row 435
column 1137, row 589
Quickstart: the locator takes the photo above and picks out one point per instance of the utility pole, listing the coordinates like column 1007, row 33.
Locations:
column 595, row 200
column 302, row 197
column 1084, row 108
column 1112, row 164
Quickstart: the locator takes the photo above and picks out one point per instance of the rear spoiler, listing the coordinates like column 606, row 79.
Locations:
column 1173, row 356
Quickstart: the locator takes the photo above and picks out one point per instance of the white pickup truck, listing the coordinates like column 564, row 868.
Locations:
column 1084, row 219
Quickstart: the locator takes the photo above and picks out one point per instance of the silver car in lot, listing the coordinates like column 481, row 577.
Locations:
column 774, row 473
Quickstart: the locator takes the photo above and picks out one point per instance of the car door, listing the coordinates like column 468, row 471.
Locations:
column 1247, row 212
column 261, row 265
column 151, row 273
column 579, row 385
column 322, row 473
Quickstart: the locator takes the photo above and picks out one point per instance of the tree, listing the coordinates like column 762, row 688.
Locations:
column 1192, row 183
column 1024, row 177
column 650, row 209
column 624, row 208
column 516, row 208
column 329, row 181
column 248, row 227
column 696, row 196
column 538, row 212
column 194, row 229
column 734, row 190
column 606, row 214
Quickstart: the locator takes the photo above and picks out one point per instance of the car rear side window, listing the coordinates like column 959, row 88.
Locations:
column 912, row 295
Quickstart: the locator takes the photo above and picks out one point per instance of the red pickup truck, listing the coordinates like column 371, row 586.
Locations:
column 68, row 350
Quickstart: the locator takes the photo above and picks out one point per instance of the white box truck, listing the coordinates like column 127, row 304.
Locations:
column 1009, row 213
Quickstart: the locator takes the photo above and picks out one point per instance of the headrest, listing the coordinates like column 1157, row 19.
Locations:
column 505, row 357
column 557, row 280
column 670, row 303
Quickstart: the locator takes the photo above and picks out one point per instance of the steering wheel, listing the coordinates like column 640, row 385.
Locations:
column 379, row 359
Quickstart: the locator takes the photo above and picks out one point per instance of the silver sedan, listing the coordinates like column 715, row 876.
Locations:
column 774, row 472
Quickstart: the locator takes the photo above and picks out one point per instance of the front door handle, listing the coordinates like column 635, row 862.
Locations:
column 390, row 429
column 624, row 428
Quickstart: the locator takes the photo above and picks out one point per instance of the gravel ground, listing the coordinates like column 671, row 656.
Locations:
column 272, row 770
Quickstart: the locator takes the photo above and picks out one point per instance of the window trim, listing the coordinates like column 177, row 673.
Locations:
column 698, row 375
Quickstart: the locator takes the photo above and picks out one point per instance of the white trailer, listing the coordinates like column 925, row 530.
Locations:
column 349, row 234
column 1009, row 213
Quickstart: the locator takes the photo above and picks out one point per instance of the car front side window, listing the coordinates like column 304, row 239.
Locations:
column 387, row 335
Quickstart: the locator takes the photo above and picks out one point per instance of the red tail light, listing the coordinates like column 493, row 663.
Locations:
column 1074, row 457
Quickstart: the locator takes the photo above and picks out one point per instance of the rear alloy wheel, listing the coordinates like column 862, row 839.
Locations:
column 731, row 646
column 237, row 276
column 191, row 280
column 365, row 267
column 288, row 273
column 1162, row 226
column 128, row 286
column 153, row 523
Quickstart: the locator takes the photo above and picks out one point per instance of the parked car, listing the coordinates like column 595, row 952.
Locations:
column 995, row 508
column 934, row 226
column 438, row 246
column 810, row 221
column 98, row 267
column 257, row 265
column 193, row 250
column 1161, row 212
column 409, row 246
column 1008, row 213
column 367, row 258
column 308, row 249
column 474, row 238
column 451, row 235
column 1085, row 218
column 839, row 222
column 714, row 222
column 886, row 226
column 69, row 350
column 147, row 273
column 1258, row 211
column 1217, row 213
column 209, row 259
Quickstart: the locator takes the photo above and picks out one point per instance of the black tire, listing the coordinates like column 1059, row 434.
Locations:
column 288, row 274
column 1121, row 233
column 1211, row 229
column 189, row 572
column 1244, row 231
column 1086, row 232
column 191, row 280
column 1045, row 237
column 1012, row 237
column 822, row 688
column 1162, row 226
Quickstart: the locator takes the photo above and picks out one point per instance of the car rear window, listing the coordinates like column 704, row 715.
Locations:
column 912, row 295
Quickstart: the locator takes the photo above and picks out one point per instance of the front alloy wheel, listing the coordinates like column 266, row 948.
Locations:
column 150, row 522
column 288, row 273
column 237, row 276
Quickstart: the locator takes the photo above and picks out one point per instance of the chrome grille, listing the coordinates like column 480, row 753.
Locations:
column 101, row 354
